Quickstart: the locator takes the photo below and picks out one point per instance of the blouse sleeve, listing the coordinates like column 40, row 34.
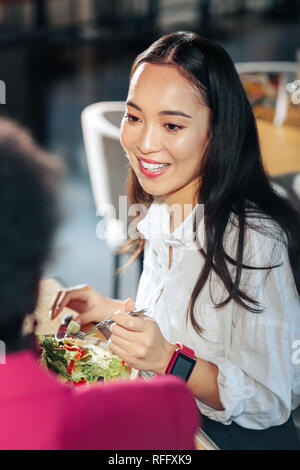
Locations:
column 258, row 379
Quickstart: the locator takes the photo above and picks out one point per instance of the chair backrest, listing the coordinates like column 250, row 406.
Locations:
column 108, row 167
column 288, row 72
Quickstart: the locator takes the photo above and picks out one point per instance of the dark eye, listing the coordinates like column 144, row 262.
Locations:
column 131, row 118
column 173, row 127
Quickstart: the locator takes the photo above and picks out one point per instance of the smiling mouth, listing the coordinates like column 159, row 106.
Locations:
column 153, row 171
column 152, row 167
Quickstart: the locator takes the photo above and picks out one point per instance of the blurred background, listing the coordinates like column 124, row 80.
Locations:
column 59, row 56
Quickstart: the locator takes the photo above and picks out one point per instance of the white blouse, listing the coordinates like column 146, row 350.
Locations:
column 259, row 374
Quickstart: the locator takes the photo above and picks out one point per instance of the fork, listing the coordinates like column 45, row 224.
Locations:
column 103, row 324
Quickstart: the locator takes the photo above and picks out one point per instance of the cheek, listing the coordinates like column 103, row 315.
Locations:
column 123, row 135
column 186, row 148
column 128, row 144
column 127, row 136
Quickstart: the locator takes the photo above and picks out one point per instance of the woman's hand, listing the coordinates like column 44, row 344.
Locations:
column 90, row 304
column 139, row 341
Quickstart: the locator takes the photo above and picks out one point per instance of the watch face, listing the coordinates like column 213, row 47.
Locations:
column 183, row 366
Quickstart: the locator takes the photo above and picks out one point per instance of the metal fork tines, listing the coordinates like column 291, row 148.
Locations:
column 105, row 323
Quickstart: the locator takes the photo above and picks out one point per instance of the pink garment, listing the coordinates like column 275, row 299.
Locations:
column 39, row 412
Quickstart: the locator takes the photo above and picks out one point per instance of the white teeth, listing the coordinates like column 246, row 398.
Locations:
column 152, row 166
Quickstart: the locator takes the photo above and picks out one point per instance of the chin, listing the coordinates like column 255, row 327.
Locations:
column 156, row 192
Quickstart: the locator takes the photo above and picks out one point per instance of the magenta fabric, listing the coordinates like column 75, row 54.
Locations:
column 39, row 412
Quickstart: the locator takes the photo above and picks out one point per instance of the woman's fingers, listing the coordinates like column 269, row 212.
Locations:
column 85, row 318
column 129, row 322
column 118, row 351
column 54, row 303
column 63, row 297
column 118, row 331
column 128, row 305
column 122, row 342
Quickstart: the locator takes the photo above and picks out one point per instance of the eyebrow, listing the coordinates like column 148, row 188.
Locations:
column 171, row 112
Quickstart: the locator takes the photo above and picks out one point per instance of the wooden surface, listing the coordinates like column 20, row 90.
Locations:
column 267, row 113
column 203, row 442
column 45, row 326
column 280, row 147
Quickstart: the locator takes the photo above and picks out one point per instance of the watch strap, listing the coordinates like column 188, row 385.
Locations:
column 181, row 348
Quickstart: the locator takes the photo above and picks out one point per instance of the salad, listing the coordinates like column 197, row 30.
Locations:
column 80, row 363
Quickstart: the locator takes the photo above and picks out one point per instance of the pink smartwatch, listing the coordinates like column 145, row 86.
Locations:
column 182, row 362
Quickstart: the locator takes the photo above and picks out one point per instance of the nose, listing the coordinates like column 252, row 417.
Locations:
column 149, row 140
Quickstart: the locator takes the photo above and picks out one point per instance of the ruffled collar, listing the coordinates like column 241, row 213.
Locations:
column 156, row 226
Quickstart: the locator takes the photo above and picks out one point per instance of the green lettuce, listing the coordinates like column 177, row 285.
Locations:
column 91, row 366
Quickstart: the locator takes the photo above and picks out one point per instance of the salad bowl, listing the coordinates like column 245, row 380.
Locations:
column 81, row 362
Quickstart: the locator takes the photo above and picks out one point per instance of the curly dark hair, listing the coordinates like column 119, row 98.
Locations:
column 28, row 217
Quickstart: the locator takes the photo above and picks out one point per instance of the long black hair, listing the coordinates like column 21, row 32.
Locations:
column 233, row 179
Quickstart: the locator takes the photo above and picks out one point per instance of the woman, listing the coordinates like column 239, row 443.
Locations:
column 224, row 279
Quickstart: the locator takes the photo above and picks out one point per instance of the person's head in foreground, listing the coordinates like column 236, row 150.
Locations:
column 28, row 218
column 191, row 138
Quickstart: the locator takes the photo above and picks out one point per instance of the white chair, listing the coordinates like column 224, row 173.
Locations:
column 288, row 72
column 108, row 170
